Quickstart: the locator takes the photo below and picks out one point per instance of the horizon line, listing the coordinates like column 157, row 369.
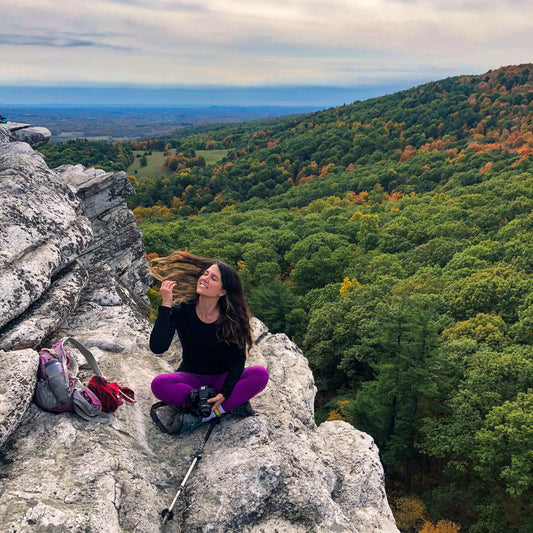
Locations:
column 223, row 95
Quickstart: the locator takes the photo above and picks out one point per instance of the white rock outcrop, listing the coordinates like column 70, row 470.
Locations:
column 273, row 472
column 32, row 135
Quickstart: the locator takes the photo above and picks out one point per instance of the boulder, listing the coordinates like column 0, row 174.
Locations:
column 19, row 375
column 276, row 469
column 43, row 319
column 42, row 231
column 5, row 135
column 19, row 148
column 33, row 135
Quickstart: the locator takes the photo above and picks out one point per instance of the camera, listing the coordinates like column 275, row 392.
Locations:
column 199, row 403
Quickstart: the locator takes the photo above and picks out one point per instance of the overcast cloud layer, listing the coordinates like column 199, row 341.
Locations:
column 258, row 42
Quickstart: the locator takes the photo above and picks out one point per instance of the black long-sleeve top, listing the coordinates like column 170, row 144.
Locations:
column 203, row 352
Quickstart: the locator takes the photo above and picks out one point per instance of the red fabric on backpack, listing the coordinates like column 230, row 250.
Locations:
column 110, row 394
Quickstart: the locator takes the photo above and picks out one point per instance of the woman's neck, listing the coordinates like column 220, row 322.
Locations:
column 207, row 309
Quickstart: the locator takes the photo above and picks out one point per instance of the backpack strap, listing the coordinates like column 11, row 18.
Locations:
column 87, row 405
column 69, row 374
column 86, row 353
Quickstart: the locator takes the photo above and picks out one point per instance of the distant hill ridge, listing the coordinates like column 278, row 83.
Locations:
column 450, row 117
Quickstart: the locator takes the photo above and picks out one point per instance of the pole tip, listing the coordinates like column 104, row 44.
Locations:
column 167, row 515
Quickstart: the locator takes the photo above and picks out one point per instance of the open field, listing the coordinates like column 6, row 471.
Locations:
column 155, row 168
column 156, row 162
column 212, row 156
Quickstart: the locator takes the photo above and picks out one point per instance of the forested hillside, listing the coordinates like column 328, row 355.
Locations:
column 392, row 240
column 108, row 156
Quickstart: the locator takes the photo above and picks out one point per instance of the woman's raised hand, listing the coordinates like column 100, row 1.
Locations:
column 166, row 293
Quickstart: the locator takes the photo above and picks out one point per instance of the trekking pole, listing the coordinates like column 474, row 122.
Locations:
column 168, row 514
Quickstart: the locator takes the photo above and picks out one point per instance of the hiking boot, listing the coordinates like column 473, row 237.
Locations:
column 167, row 417
column 189, row 422
column 173, row 419
column 242, row 410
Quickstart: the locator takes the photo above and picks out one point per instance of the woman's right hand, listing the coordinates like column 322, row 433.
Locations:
column 166, row 293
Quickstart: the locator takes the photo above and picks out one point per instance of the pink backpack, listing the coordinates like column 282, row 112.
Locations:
column 58, row 390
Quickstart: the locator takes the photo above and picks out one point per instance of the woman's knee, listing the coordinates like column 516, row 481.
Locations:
column 260, row 375
column 158, row 383
column 171, row 388
column 164, row 381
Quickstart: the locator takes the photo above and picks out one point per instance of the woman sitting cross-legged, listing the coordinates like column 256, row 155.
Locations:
column 211, row 317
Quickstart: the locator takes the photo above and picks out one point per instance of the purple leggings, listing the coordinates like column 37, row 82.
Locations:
column 174, row 388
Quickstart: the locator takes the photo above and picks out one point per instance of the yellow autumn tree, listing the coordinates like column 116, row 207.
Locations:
column 341, row 412
column 349, row 285
column 408, row 512
column 443, row 526
column 367, row 223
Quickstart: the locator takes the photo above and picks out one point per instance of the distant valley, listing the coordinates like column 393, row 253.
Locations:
column 111, row 123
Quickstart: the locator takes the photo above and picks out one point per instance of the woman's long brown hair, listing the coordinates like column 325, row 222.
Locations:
column 185, row 269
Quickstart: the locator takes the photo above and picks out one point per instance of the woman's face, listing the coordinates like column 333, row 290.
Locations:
column 210, row 283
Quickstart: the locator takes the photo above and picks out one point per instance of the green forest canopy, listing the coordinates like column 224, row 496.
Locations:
column 392, row 240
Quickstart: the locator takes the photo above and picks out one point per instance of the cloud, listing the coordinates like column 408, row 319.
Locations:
column 162, row 5
column 191, row 42
column 59, row 40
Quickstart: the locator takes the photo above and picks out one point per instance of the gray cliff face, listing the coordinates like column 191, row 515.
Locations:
column 72, row 264
column 116, row 236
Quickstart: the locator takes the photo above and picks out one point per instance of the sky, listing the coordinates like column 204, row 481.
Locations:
column 370, row 47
